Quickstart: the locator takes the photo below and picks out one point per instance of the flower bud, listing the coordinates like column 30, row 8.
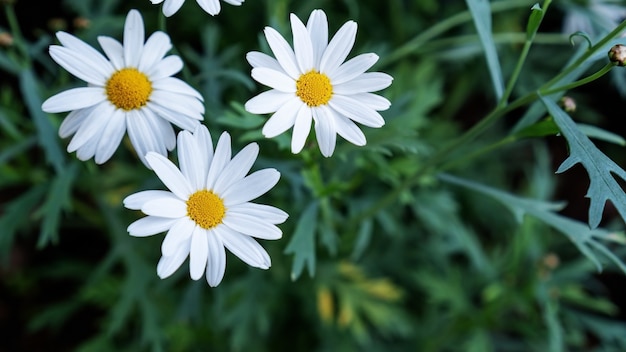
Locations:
column 568, row 104
column 617, row 54
column 6, row 39
column 81, row 22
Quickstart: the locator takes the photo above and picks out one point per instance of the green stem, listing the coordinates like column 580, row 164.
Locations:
column 580, row 82
column 412, row 45
column 18, row 39
column 467, row 157
column 530, row 38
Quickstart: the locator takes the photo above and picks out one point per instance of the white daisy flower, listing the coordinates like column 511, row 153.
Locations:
column 312, row 83
column 212, row 7
column 131, row 90
column 208, row 207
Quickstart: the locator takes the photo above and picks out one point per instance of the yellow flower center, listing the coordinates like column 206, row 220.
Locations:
column 206, row 209
column 128, row 89
column 314, row 88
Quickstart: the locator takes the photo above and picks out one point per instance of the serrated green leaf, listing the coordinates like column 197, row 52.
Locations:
column 45, row 131
column 585, row 238
column 481, row 13
column 602, row 184
column 302, row 244
column 58, row 199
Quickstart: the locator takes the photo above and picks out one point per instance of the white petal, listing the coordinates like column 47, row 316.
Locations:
column 252, row 226
column 274, row 79
column 199, row 253
column 175, row 85
column 183, row 104
column 216, row 265
column 282, row 51
column 169, row 66
column 133, row 38
column 73, row 99
column 136, row 200
column 302, row 46
column 268, row 102
column 317, row 25
column 185, row 122
column 220, row 159
column 349, row 130
column 268, row 213
column 352, row 68
column 169, row 175
column 250, row 187
column 339, row 47
column 372, row 100
column 367, row 82
column 301, row 129
column 259, row 59
column 172, row 6
column 92, row 126
column 79, row 66
column 283, row 119
column 192, row 163
column 114, row 51
column 212, row 7
column 237, row 168
column 73, row 121
column 353, row 110
column 234, row 2
column 179, row 232
column 149, row 225
column 325, row 130
column 157, row 45
column 142, row 135
column 88, row 150
column 171, row 208
column 111, row 136
column 168, row 265
column 95, row 58
column 244, row 247
column 165, row 132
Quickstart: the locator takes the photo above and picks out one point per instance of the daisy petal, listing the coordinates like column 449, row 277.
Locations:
column 282, row 51
column 220, row 159
column 302, row 46
column 244, row 247
column 250, row 187
column 252, row 226
column 198, row 253
column 113, row 50
column 268, row 213
column 79, row 66
column 175, row 85
column 268, row 102
column 283, row 119
column 171, row 7
column 96, row 59
column 259, row 59
column 349, row 131
column 74, row 99
column 216, row 265
column 137, row 200
column 339, row 47
column 353, row 68
column 372, row 100
column 111, row 136
column 168, row 265
column 301, row 129
column 141, row 134
column 325, row 130
column 237, row 168
column 193, row 167
column 170, row 208
column 73, row 121
column 367, row 82
column 169, row 66
column 169, row 175
column 212, row 7
column 353, row 110
column 274, row 79
column 149, row 225
column 317, row 25
column 157, row 45
column 185, row 122
column 179, row 232
column 93, row 124
column 133, row 38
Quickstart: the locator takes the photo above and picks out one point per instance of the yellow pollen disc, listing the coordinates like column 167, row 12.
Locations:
column 128, row 89
column 314, row 88
column 206, row 209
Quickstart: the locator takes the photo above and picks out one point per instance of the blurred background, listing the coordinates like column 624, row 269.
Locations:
column 364, row 264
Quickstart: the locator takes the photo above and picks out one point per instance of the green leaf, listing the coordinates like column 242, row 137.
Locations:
column 600, row 168
column 585, row 238
column 545, row 127
column 58, row 199
column 603, row 135
column 302, row 244
column 534, row 21
column 363, row 239
column 45, row 131
column 481, row 13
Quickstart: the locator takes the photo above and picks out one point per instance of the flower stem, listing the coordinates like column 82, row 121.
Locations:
column 17, row 33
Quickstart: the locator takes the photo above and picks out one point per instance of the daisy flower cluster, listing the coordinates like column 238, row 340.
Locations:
column 208, row 205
